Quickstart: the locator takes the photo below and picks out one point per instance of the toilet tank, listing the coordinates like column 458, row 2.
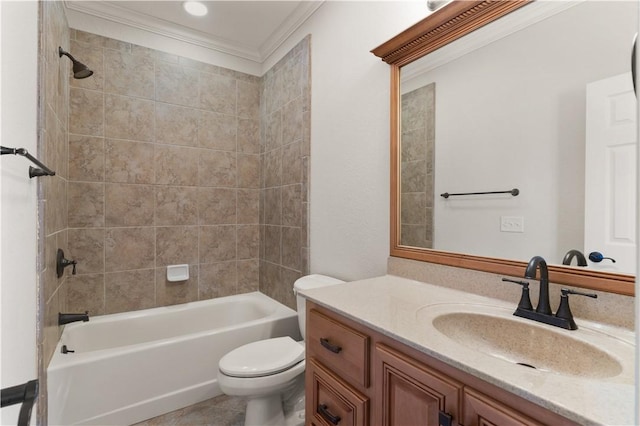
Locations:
column 306, row 283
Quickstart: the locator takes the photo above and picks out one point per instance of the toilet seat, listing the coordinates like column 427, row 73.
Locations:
column 262, row 358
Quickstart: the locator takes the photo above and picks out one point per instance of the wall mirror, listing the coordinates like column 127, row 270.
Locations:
column 534, row 96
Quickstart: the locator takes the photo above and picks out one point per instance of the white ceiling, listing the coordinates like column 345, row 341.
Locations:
column 247, row 29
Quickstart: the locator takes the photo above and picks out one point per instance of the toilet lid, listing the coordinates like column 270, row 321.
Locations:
column 262, row 358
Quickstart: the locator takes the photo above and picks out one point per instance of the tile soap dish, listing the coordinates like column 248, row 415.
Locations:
column 177, row 273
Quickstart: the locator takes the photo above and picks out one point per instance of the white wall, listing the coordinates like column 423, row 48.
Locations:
column 18, row 197
column 349, row 210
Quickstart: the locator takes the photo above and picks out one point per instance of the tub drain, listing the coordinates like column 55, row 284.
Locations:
column 526, row 365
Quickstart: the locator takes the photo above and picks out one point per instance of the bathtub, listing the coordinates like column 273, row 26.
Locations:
column 132, row 366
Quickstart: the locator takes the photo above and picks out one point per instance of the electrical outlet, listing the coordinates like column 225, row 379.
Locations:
column 511, row 224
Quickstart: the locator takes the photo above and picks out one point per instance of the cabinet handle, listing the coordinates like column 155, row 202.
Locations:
column 324, row 412
column 333, row 348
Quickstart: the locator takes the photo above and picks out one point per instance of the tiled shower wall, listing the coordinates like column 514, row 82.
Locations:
column 418, row 149
column 164, row 168
column 285, row 153
column 52, row 212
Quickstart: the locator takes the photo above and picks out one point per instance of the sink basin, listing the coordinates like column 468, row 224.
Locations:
column 518, row 341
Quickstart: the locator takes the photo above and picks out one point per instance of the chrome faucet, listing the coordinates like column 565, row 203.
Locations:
column 543, row 300
column 563, row 317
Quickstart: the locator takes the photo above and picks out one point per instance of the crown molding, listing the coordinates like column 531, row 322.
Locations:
column 112, row 12
column 288, row 27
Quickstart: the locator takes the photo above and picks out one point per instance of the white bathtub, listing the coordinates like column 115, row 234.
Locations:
column 133, row 366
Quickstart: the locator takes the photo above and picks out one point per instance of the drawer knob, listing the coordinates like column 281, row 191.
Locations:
column 333, row 348
column 324, row 412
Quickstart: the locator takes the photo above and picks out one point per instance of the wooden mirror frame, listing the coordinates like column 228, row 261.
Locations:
column 455, row 20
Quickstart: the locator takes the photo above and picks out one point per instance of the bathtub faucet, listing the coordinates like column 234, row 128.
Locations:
column 68, row 318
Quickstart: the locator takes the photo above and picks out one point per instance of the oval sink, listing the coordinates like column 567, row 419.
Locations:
column 527, row 344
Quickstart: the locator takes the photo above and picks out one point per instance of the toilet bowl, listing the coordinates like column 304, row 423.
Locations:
column 270, row 373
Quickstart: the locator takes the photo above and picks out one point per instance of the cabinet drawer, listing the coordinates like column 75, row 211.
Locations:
column 339, row 347
column 332, row 402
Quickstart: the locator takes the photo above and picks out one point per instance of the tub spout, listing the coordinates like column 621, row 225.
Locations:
column 68, row 318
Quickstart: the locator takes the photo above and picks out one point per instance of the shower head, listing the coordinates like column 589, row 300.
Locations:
column 80, row 70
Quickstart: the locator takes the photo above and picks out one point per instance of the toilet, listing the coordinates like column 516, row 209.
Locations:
column 270, row 373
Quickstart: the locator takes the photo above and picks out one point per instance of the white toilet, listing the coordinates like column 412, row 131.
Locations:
column 270, row 372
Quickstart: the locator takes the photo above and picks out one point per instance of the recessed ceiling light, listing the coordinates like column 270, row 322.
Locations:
column 195, row 8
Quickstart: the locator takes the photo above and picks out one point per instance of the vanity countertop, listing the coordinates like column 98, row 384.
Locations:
column 396, row 306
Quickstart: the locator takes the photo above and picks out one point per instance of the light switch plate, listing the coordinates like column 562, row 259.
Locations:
column 511, row 224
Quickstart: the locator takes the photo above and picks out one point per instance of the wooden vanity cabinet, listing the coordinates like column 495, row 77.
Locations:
column 358, row 376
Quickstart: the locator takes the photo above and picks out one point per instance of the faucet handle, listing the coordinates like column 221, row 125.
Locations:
column 564, row 311
column 525, row 300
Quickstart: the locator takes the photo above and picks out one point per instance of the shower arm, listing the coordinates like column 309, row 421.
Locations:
column 42, row 170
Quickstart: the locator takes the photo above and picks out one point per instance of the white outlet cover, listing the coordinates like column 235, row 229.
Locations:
column 512, row 224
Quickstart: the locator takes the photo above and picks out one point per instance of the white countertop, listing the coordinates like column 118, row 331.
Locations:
column 402, row 308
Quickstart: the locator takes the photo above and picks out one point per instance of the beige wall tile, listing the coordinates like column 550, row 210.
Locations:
column 86, row 158
column 218, row 93
column 86, row 293
column 173, row 293
column 291, row 164
column 413, row 208
column 273, row 244
column 217, row 243
column 110, row 43
column 129, row 248
column 90, row 38
column 248, row 171
column 86, row 112
column 272, row 131
column 248, row 241
column 176, row 245
column 176, row 165
column 217, row 131
column 248, row 100
column 272, row 166
column 129, row 291
column 292, row 76
column 129, row 162
column 414, row 176
column 217, row 168
column 176, row 125
column 217, row 280
column 128, row 74
column 51, row 281
column 129, row 118
column 217, row 206
column 86, row 204
column 273, row 206
column 292, row 122
column 176, row 84
column 291, row 205
column 285, row 293
column 248, row 275
column 291, row 247
column 176, row 205
column 129, row 205
column 248, row 206
column 86, row 246
column 270, row 277
column 93, row 58
column 248, row 136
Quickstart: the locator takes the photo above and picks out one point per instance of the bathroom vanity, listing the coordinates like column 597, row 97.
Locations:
column 394, row 351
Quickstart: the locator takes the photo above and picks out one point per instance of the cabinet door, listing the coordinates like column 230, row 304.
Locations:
column 409, row 393
column 332, row 402
column 480, row 410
